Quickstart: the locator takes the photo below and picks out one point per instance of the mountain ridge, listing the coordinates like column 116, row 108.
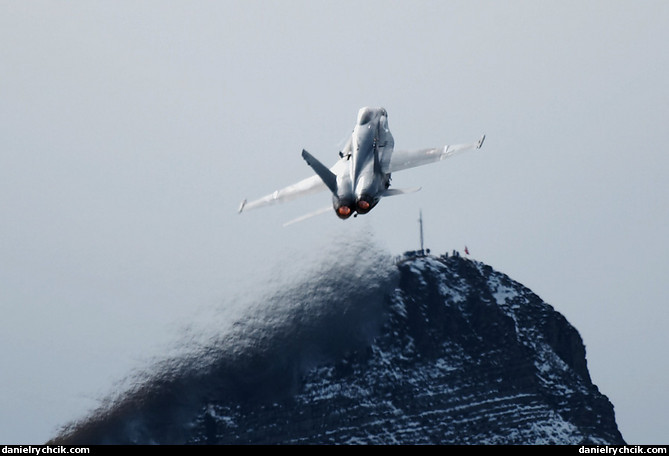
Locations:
column 434, row 350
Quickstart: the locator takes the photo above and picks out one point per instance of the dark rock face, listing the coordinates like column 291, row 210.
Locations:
column 461, row 354
column 466, row 356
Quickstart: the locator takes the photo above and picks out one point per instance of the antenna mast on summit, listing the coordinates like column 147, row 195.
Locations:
column 420, row 222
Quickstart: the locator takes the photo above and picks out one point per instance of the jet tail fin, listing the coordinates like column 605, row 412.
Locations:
column 327, row 176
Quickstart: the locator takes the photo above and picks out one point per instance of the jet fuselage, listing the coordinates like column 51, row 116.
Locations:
column 362, row 184
column 361, row 176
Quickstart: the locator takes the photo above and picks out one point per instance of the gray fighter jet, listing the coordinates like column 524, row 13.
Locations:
column 361, row 176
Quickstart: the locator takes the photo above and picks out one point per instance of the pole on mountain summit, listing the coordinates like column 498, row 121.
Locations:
column 420, row 221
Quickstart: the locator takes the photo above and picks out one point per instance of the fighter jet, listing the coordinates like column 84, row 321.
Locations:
column 361, row 176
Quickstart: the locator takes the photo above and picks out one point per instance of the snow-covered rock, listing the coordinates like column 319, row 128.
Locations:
column 445, row 351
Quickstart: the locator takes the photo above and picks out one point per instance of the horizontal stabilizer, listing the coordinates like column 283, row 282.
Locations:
column 400, row 191
column 320, row 211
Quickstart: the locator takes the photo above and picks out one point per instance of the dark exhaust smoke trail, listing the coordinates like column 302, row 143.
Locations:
column 336, row 307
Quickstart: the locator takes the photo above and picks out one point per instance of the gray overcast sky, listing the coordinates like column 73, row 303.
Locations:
column 130, row 131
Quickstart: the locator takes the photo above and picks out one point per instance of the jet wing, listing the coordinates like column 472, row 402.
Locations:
column 403, row 159
column 313, row 184
column 308, row 186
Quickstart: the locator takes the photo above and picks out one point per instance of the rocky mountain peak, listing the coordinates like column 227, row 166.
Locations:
column 448, row 351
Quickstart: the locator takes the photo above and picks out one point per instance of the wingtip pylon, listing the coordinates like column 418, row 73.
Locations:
column 480, row 143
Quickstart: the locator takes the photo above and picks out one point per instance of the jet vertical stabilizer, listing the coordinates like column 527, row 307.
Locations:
column 328, row 177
